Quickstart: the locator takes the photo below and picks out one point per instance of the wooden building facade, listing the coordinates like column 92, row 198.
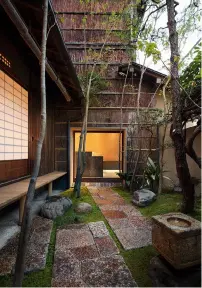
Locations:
column 20, row 39
column 85, row 28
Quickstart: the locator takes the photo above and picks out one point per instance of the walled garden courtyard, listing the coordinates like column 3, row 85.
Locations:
column 109, row 246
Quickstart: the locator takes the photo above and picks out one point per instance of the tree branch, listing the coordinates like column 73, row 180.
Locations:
column 152, row 12
column 189, row 146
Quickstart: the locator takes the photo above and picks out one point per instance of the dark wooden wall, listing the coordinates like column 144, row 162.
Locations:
column 25, row 70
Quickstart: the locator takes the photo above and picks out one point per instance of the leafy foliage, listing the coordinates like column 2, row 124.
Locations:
column 98, row 84
column 151, row 175
column 127, row 177
column 191, row 76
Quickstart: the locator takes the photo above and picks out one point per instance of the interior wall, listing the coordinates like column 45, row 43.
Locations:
column 103, row 144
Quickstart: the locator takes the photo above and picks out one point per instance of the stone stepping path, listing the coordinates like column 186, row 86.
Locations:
column 87, row 256
column 37, row 248
column 131, row 228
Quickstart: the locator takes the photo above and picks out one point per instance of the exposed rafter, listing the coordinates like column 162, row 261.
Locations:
column 24, row 32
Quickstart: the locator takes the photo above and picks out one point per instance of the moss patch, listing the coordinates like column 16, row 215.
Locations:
column 165, row 203
column 137, row 261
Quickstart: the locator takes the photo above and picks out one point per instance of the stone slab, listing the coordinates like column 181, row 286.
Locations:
column 73, row 238
column 98, row 229
column 106, row 246
column 87, row 252
column 107, row 272
column 63, row 269
column 114, row 214
column 132, row 238
column 70, row 282
column 119, row 223
column 96, row 265
column 37, row 248
column 141, row 222
column 100, row 201
column 127, row 209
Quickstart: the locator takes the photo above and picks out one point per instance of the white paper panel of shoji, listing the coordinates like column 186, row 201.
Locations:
column 13, row 119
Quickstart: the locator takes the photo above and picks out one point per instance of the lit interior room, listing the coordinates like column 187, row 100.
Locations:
column 102, row 154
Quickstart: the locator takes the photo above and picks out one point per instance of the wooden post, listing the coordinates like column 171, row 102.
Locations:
column 21, row 208
column 50, row 188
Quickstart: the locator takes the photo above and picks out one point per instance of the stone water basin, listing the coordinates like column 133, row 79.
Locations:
column 177, row 237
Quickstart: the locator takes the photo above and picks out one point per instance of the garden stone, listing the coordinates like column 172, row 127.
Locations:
column 143, row 197
column 55, row 206
column 83, row 208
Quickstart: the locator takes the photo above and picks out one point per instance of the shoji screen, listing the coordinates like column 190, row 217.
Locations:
column 13, row 119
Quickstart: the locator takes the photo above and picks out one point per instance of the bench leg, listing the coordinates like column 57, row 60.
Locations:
column 50, row 188
column 21, row 210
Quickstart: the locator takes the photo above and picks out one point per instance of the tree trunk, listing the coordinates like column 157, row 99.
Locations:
column 165, row 126
column 177, row 106
column 81, row 163
column 26, row 222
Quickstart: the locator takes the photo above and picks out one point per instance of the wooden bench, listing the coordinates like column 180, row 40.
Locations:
column 18, row 191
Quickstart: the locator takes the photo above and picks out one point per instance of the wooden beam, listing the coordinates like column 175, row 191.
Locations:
column 97, row 43
column 86, row 13
column 95, row 48
column 90, row 29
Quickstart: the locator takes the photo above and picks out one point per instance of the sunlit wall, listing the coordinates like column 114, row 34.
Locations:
column 101, row 144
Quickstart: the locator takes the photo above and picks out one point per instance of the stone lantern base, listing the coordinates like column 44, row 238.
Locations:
column 177, row 237
column 163, row 274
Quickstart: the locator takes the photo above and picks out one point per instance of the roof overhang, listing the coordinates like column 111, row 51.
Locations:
column 30, row 13
column 134, row 70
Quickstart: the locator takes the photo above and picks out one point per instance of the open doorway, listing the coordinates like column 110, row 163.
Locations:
column 102, row 154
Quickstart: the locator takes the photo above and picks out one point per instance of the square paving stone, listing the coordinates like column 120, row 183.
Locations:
column 98, row 229
column 62, row 254
column 106, row 246
column 63, row 269
column 131, row 211
column 37, row 248
column 119, row 223
column 70, row 282
column 119, row 201
column 132, row 238
column 87, row 252
column 113, row 214
column 103, row 201
column 107, row 272
column 73, row 238
column 141, row 222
